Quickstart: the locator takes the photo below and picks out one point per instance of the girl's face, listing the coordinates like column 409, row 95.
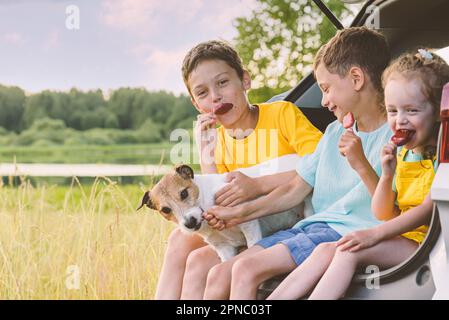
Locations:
column 408, row 109
column 214, row 82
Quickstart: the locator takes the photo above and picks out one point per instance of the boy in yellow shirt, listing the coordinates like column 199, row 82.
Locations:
column 249, row 134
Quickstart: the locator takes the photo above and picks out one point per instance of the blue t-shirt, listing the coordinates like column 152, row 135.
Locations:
column 340, row 198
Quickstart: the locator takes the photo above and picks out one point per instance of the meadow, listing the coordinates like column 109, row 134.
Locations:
column 80, row 238
column 79, row 242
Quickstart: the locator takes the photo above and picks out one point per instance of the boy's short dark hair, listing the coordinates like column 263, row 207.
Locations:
column 211, row 50
column 356, row 46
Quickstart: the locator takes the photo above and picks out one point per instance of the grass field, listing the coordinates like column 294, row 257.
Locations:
column 79, row 242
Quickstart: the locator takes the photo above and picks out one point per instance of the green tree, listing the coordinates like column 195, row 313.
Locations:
column 182, row 114
column 12, row 100
column 79, row 110
column 121, row 103
column 149, row 132
column 278, row 41
column 37, row 106
column 85, row 110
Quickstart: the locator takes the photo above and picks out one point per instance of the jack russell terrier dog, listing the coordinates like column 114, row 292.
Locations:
column 183, row 197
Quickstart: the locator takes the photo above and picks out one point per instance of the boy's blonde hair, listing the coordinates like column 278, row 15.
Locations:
column 211, row 50
column 356, row 46
column 433, row 73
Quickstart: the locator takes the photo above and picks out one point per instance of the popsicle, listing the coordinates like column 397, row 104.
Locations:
column 348, row 120
column 401, row 137
column 223, row 108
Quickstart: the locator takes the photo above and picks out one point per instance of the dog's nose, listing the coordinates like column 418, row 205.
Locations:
column 191, row 223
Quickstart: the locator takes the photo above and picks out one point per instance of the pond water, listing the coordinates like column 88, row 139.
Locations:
column 81, row 170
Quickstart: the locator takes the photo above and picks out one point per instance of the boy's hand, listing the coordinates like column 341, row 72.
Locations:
column 350, row 146
column 214, row 222
column 223, row 217
column 388, row 160
column 206, row 133
column 240, row 188
column 359, row 240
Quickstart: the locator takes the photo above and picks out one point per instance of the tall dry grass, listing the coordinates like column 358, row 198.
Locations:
column 51, row 234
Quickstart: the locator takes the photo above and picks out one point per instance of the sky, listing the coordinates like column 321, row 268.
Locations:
column 119, row 43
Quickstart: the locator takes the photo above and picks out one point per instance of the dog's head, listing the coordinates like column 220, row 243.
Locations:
column 175, row 196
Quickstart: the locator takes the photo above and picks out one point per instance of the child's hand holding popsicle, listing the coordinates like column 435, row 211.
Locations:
column 350, row 145
column 206, row 133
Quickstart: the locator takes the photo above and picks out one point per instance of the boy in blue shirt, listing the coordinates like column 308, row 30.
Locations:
column 342, row 172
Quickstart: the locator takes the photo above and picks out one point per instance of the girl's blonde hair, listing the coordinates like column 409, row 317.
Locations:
column 432, row 71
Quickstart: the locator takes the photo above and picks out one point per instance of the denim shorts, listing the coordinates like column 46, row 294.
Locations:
column 301, row 241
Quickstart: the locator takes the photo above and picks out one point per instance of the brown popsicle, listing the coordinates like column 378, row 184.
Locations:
column 223, row 108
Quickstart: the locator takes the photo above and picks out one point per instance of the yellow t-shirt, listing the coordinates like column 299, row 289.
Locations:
column 281, row 129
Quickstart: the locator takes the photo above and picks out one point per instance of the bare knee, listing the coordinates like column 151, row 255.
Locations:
column 200, row 261
column 218, row 281
column 347, row 256
column 215, row 274
column 181, row 245
column 325, row 249
column 244, row 269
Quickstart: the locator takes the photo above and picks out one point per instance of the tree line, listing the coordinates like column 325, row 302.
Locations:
column 129, row 115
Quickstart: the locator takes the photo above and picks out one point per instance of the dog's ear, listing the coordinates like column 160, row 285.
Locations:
column 184, row 171
column 146, row 200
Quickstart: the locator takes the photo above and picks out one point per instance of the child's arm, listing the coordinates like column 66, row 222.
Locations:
column 408, row 221
column 282, row 198
column 206, row 139
column 243, row 188
column 412, row 219
column 383, row 203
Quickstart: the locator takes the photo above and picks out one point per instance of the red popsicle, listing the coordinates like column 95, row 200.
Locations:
column 223, row 108
column 401, row 137
column 348, row 120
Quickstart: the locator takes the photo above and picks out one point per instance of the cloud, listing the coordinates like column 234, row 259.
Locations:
column 147, row 16
column 52, row 40
column 221, row 19
column 140, row 50
column 164, row 70
column 14, row 38
column 159, row 33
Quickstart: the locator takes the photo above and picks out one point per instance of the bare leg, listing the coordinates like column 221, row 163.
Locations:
column 178, row 249
column 298, row 283
column 250, row 271
column 198, row 265
column 219, row 278
column 338, row 276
